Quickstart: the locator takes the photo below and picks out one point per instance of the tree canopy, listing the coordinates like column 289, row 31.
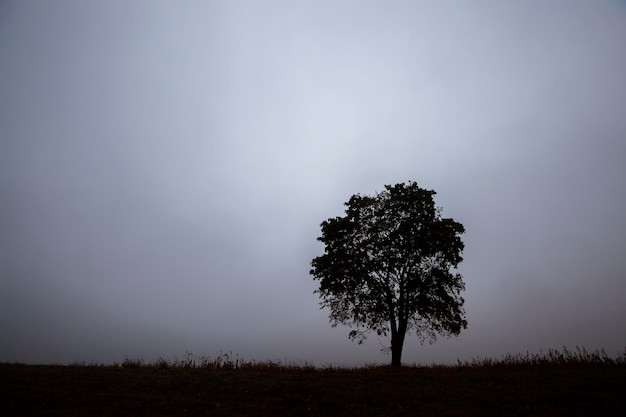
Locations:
column 388, row 267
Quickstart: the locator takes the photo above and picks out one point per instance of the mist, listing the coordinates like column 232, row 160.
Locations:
column 164, row 170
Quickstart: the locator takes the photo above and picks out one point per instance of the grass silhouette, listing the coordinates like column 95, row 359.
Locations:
column 557, row 382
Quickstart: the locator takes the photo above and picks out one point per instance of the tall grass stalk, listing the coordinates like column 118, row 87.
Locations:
column 228, row 361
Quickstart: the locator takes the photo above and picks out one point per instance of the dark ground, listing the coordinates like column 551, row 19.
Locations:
column 512, row 390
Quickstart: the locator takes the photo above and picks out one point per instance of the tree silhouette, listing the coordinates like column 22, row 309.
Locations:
column 387, row 268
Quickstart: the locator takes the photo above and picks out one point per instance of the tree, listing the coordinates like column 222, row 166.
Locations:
column 387, row 268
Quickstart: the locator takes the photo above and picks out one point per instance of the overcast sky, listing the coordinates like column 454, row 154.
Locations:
column 165, row 167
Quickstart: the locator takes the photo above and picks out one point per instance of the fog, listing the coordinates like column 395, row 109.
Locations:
column 165, row 167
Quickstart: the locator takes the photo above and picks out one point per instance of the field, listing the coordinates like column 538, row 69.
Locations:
column 553, row 384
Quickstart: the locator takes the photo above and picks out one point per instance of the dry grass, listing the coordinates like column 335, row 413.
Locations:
column 567, row 383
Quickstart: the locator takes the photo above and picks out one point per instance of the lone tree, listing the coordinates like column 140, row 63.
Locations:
column 387, row 268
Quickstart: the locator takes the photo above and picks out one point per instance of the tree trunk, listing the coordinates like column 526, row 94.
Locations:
column 397, row 342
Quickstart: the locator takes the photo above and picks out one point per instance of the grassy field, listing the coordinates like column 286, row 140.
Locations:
column 559, row 383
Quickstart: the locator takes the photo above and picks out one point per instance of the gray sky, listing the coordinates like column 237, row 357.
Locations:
column 165, row 166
